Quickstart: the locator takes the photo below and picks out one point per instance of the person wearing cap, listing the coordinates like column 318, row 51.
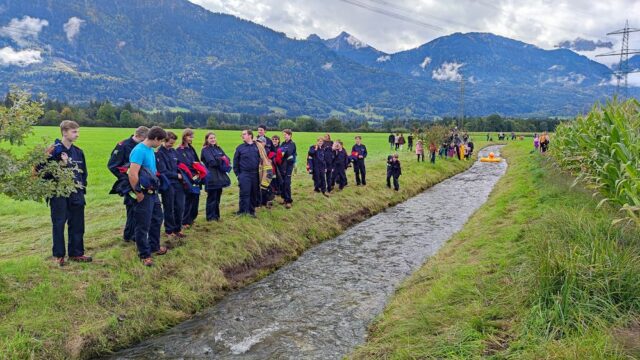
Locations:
column 69, row 210
column 145, row 185
column 118, row 165
column 359, row 153
column 246, row 164
column 289, row 153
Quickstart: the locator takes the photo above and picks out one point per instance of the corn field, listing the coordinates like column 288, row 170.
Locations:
column 603, row 150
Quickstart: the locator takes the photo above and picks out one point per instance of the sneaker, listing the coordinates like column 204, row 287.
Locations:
column 147, row 262
column 161, row 251
column 59, row 260
column 81, row 258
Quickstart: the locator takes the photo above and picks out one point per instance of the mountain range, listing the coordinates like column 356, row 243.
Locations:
column 168, row 54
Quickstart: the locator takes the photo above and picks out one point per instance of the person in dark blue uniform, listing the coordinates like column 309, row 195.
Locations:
column 317, row 166
column 218, row 165
column 69, row 210
column 359, row 153
column 246, row 162
column 145, row 184
column 187, row 155
column 118, row 165
column 289, row 153
column 340, row 162
column 275, row 155
column 393, row 171
column 327, row 147
column 173, row 193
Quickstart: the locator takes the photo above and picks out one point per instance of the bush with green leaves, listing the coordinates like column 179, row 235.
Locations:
column 603, row 150
column 18, row 177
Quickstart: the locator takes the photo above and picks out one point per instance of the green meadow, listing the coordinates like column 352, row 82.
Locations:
column 82, row 310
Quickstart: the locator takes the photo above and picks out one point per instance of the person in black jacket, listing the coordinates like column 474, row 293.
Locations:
column 218, row 165
column 246, row 164
column 173, row 193
column 187, row 155
column 393, row 170
column 69, row 210
column 262, row 137
column 359, row 153
column 316, row 166
column 327, row 147
column 340, row 162
column 118, row 165
column 392, row 141
column 289, row 153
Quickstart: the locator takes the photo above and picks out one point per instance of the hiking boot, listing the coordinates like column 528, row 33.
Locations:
column 161, row 251
column 147, row 262
column 59, row 260
column 81, row 258
column 287, row 205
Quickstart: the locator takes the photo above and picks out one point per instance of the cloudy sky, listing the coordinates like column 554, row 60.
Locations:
column 406, row 24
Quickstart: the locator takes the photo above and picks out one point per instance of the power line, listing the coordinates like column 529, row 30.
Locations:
column 392, row 14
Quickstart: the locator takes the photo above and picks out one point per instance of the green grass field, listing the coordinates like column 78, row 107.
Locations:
column 87, row 309
column 537, row 273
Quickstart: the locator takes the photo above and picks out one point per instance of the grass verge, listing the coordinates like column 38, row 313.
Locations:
column 537, row 272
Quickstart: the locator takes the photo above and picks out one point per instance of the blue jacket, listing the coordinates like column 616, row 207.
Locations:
column 361, row 150
column 120, row 157
column 328, row 154
column 316, row 159
column 75, row 158
column 167, row 163
column 340, row 160
column 393, row 167
column 213, row 159
column 246, row 159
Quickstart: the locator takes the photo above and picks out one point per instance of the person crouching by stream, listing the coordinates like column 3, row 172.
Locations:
column 340, row 163
column 393, row 171
column 218, row 164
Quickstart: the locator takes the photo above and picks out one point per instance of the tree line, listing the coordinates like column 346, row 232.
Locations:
column 107, row 114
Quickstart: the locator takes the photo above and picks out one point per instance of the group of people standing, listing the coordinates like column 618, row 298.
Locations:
column 541, row 142
column 160, row 181
column 397, row 141
column 327, row 162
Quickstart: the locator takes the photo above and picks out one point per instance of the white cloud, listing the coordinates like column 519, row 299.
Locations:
column 447, row 72
column 121, row 44
column 9, row 56
column 383, row 58
column 425, row 62
column 23, row 30
column 556, row 67
column 72, row 27
column 568, row 80
column 327, row 66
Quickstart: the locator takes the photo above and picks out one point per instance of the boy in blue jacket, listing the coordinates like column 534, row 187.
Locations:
column 359, row 153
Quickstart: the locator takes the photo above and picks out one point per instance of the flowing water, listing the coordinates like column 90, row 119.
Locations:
column 319, row 306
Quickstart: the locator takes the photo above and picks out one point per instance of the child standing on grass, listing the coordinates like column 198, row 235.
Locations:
column 420, row 150
column 536, row 142
column 432, row 150
column 340, row 162
column 393, row 170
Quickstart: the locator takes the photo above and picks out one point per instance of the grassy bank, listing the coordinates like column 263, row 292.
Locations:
column 86, row 309
column 537, row 272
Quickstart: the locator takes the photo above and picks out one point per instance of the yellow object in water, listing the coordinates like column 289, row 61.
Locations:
column 492, row 158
